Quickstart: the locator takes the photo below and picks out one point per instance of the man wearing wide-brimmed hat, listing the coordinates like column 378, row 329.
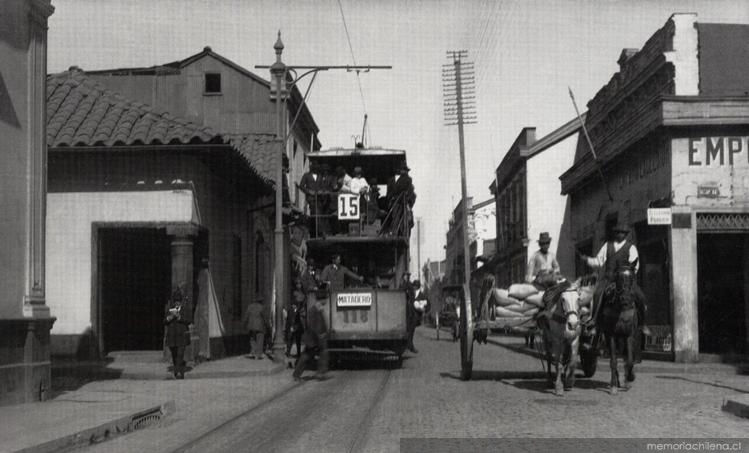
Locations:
column 543, row 264
column 613, row 255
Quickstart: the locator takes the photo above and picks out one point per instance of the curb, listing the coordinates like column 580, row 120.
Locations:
column 668, row 367
column 738, row 406
column 115, row 373
column 107, row 430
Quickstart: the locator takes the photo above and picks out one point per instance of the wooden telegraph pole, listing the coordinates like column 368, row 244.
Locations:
column 458, row 84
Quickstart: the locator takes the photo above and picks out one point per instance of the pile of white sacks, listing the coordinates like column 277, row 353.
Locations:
column 525, row 300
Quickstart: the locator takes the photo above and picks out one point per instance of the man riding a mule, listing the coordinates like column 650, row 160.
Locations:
column 614, row 255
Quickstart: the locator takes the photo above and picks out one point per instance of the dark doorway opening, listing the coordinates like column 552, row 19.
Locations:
column 721, row 293
column 134, row 276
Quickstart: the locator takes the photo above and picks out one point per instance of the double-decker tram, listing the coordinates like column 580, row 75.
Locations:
column 368, row 226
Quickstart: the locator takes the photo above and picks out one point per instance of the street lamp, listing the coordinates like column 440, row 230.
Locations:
column 278, row 92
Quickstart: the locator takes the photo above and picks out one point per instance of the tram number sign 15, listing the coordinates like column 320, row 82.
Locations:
column 348, row 206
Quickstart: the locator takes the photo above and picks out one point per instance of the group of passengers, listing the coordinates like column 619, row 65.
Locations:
column 322, row 186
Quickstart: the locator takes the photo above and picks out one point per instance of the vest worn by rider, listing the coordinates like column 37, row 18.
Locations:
column 615, row 259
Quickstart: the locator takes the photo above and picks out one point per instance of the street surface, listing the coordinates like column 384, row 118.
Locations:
column 369, row 406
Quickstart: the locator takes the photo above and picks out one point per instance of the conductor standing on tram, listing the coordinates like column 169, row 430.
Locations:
column 335, row 273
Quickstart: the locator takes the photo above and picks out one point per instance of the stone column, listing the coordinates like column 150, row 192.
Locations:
column 683, row 246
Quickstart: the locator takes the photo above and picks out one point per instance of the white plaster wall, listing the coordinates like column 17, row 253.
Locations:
column 546, row 205
column 693, row 168
column 684, row 55
column 68, row 253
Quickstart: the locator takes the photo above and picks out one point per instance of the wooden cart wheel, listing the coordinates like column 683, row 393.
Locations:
column 466, row 335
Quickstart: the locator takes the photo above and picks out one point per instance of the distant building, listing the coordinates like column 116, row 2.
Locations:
column 671, row 131
column 527, row 199
column 481, row 232
column 483, row 244
column 141, row 202
column 25, row 319
column 454, row 247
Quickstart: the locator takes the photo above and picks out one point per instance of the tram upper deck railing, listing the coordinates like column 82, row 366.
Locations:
column 334, row 217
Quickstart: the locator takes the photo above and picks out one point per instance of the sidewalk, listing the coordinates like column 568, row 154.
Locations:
column 83, row 410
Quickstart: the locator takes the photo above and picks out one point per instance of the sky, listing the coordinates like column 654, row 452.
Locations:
column 526, row 53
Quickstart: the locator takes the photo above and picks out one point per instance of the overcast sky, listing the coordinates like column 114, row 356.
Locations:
column 526, row 54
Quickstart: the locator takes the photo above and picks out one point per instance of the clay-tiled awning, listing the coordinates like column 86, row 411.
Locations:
column 81, row 113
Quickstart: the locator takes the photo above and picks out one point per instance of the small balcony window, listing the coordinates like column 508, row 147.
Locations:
column 212, row 83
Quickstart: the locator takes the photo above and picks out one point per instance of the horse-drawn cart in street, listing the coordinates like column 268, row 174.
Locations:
column 487, row 316
column 449, row 314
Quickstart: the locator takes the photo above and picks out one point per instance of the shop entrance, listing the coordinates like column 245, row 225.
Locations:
column 722, row 292
column 134, row 282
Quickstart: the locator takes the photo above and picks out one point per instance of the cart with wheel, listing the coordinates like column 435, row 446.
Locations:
column 447, row 318
column 471, row 330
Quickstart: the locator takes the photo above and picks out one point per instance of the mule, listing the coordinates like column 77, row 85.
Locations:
column 618, row 322
column 561, row 334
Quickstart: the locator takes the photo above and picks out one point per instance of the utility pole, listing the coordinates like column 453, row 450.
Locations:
column 458, row 84
column 418, row 247
column 283, row 80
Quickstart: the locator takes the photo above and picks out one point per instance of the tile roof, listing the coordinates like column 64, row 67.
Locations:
column 260, row 150
column 82, row 113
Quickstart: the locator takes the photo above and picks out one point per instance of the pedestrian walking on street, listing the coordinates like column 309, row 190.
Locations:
column 315, row 339
column 412, row 315
column 256, row 322
column 177, row 320
column 295, row 319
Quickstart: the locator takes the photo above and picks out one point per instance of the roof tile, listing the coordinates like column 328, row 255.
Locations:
column 82, row 113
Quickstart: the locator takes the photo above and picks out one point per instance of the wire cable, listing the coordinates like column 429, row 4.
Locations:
column 353, row 58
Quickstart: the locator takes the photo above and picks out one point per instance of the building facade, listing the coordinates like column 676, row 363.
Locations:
column 527, row 199
column 211, row 90
column 25, row 319
column 140, row 203
column 670, row 130
column 454, row 253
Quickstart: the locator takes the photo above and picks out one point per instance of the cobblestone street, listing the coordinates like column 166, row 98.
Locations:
column 508, row 398
column 367, row 406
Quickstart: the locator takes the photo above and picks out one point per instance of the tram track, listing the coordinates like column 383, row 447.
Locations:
column 333, row 415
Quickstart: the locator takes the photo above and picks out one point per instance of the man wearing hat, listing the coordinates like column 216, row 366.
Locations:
column 412, row 316
column 543, row 263
column 313, row 183
column 613, row 255
column 399, row 187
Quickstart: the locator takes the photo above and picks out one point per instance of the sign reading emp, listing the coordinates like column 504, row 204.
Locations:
column 353, row 300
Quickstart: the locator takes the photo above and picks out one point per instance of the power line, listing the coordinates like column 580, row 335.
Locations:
column 351, row 49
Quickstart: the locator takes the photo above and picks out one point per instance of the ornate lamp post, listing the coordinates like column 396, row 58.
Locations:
column 279, row 92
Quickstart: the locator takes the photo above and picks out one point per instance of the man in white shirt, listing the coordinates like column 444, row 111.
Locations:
column 613, row 255
column 543, row 263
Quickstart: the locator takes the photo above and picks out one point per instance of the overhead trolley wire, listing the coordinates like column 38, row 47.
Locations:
column 353, row 57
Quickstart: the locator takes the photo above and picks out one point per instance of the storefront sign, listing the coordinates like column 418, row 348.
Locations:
column 659, row 216
column 708, row 191
column 710, row 170
column 718, row 151
column 354, row 300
